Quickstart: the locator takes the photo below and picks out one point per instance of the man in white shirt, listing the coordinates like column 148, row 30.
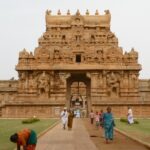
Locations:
column 64, row 117
column 130, row 116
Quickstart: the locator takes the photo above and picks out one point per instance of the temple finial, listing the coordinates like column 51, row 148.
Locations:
column 48, row 12
column 96, row 13
column 68, row 12
column 59, row 13
column 78, row 13
column 107, row 12
column 87, row 12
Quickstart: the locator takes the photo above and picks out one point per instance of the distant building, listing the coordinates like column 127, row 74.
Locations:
column 77, row 64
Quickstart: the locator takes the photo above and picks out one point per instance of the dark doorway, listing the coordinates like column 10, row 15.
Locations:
column 78, row 93
column 78, row 58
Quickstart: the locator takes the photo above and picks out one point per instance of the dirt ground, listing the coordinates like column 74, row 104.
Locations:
column 120, row 142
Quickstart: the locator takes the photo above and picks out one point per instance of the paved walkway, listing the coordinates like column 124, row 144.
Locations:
column 79, row 139
column 120, row 141
column 59, row 139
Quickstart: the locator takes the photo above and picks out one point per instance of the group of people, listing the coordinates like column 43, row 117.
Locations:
column 27, row 138
column 67, row 118
column 105, row 120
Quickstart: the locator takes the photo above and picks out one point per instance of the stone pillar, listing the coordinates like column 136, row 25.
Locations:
column 124, row 84
column 88, row 95
column 67, row 102
column 104, row 83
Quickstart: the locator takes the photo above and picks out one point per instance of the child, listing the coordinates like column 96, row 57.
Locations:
column 97, row 120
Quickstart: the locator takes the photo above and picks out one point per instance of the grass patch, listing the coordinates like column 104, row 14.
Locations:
column 140, row 130
column 10, row 126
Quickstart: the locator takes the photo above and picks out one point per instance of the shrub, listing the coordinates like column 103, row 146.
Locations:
column 126, row 121
column 136, row 122
column 30, row 120
column 123, row 120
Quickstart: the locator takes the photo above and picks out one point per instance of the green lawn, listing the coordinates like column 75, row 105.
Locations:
column 10, row 126
column 141, row 130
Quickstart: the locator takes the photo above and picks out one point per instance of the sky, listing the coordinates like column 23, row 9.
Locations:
column 22, row 22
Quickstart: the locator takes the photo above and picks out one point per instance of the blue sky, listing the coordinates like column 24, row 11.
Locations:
column 22, row 22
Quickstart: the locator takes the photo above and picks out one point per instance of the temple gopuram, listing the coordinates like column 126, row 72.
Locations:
column 78, row 64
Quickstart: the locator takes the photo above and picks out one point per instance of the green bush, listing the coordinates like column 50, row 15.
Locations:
column 136, row 122
column 126, row 121
column 123, row 120
column 30, row 120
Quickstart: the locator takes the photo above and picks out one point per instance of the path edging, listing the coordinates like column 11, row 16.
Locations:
column 46, row 130
column 133, row 138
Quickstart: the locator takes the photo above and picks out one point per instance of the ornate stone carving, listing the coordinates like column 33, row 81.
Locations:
column 134, row 83
column 43, row 85
column 112, row 84
column 22, row 81
column 23, row 54
column 133, row 56
column 78, row 48
column 57, row 56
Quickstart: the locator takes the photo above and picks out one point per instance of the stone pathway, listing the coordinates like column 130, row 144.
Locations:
column 79, row 139
column 120, row 141
column 59, row 139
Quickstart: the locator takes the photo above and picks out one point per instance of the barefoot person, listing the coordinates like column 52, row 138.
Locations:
column 101, row 121
column 92, row 116
column 70, row 119
column 64, row 117
column 101, row 115
column 25, row 138
column 96, row 119
column 130, row 116
column 108, row 125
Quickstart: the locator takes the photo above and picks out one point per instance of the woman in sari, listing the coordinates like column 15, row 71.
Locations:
column 70, row 119
column 26, row 138
column 108, row 125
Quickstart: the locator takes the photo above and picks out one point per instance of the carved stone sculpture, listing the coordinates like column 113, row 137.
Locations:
column 113, row 84
column 43, row 84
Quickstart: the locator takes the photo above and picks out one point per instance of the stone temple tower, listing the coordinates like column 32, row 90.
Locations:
column 77, row 64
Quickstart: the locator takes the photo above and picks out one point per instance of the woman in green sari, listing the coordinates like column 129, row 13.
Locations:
column 108, row 125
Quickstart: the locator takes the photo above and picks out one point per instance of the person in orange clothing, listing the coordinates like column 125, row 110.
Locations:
column 26, row 138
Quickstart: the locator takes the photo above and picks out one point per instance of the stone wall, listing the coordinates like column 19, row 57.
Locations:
column 8, row 90
column 27, row 111
column 139, row 111
column 144, row 88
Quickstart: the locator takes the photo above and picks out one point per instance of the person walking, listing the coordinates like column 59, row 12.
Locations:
column 91, row 116
column 108, row 125
column 101, row 122
column 25, row 138
column 70, row 119
column 97, row 120
column 130, row 116
column 101, row 115
column 64, row 117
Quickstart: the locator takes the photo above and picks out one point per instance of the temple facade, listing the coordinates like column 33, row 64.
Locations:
column 79, row 64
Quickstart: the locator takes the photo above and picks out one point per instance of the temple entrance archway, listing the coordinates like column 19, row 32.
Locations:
column 78, row 94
